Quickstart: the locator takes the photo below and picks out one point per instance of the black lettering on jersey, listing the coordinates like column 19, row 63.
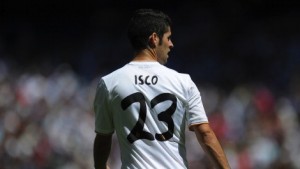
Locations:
column 147, row 80
column 137, row 132
column 165, row 116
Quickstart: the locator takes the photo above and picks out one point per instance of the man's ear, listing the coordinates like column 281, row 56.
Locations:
column 153, row 40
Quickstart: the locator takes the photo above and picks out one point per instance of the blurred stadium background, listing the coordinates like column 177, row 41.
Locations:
column 243, row 55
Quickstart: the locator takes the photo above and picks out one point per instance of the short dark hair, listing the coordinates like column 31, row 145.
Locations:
column 143, row 23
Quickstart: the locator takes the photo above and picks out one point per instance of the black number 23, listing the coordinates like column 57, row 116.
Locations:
column 166, row 116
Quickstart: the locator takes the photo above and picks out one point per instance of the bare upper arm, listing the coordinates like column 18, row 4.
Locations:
column 201, row 128
column 104, row 139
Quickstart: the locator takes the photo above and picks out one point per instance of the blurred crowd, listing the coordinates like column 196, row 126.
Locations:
column 47, row 122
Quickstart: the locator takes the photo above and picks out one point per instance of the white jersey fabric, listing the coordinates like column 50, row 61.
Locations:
column 149, row 106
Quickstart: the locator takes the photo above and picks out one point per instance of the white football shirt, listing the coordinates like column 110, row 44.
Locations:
column 149, row 106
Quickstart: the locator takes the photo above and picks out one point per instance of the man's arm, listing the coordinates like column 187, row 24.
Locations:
column 102, row 145
column 210, row 144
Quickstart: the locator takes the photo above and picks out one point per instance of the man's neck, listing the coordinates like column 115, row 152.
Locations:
column 145, row 55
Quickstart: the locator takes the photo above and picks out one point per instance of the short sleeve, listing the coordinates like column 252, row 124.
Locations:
column 195, row 113
column 103, row 116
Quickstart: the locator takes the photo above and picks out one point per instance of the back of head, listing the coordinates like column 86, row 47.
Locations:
column 143, row 23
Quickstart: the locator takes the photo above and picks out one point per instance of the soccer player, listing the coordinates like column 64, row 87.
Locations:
column 149, row 105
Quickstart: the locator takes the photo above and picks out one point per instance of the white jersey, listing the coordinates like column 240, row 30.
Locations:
column 149, row 106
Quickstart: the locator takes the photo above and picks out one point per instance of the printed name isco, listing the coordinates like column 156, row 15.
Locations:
column 145, row 79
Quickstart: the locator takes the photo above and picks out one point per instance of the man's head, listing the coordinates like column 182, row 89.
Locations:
column 145, row 22
column 150, row 29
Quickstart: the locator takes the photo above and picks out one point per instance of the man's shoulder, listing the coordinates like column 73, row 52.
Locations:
column 114, row 72
column 177, row 73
